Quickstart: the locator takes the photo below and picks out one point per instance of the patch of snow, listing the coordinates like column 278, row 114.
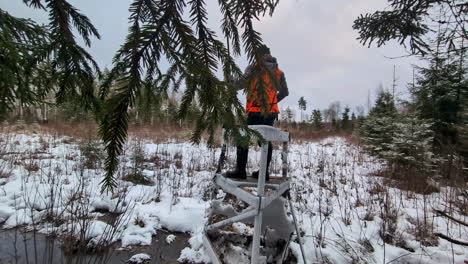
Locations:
column 242, row 228
column 19, row 217
column 139, row 258
column 170, row 238
column 5, row 212
column 187, row 215
column 140, row 229
column 196, row 252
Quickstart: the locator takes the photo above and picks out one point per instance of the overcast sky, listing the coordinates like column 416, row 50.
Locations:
column 313, row 41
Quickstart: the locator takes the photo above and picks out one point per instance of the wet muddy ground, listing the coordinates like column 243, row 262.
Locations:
column 29, row 248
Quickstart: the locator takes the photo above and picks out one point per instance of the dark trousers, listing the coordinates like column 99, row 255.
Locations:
column 255, row 119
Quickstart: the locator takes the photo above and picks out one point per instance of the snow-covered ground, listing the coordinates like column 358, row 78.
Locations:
column 53, row 184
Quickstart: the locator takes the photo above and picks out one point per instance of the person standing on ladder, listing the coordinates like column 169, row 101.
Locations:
column 255, row 114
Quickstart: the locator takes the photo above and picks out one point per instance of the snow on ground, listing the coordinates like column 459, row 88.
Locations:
column 53, row 183
column 139, row 258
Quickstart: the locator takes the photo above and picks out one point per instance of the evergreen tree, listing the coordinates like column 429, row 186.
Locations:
column 150, row 103
column 411, row 145
column 438, row 95
column 441, row 87
column 345, row 122
column 353, row 121
column 192, row 113
column 302, row 106
column 378, row 128
column 463, row 142
column 26, row 46
column 317, row 119
column 404, row 141
column 19, row 41
column 171, row 111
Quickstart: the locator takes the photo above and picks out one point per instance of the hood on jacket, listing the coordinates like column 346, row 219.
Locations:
column 271, row 62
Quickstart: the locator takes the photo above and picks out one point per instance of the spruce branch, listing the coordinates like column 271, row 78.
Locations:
column 411, row 23
column 229, row 25
column 159, row 34
column 21, row 44
column 35, row 4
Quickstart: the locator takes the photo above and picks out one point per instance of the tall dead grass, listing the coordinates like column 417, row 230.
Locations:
column 89, row 130
column 160, row 132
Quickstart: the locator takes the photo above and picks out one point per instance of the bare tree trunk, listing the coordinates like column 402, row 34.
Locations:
column 46, row 114
column 20, row 110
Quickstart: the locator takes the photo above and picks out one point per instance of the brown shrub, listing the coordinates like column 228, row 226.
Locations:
column 407, row 180
column 309, row 134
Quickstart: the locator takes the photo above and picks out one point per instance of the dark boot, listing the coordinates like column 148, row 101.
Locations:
column 237, row 174
column 241, row 162
column 256, row 173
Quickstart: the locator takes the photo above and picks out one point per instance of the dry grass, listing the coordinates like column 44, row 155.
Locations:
column 407, row 180
column 160, row 132
column 138, row 178
column 89, row 130
column 306, row 133
column 423, row 231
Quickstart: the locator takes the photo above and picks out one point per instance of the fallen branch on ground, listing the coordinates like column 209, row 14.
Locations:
column 458, row 242
column 442, row 213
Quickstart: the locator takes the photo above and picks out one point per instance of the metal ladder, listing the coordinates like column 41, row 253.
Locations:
column 259, row 202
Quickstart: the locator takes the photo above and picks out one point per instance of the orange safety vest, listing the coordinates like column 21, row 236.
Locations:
column 254, row 104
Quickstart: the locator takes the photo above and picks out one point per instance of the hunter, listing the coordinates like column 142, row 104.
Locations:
column 255, row 115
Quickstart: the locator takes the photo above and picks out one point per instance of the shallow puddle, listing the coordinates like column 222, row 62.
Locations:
column 26, row 248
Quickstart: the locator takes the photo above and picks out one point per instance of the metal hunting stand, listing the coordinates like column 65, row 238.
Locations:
column 266, row 201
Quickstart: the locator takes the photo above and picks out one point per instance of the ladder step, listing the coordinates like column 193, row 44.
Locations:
column 237, row 218
column 235, row 189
